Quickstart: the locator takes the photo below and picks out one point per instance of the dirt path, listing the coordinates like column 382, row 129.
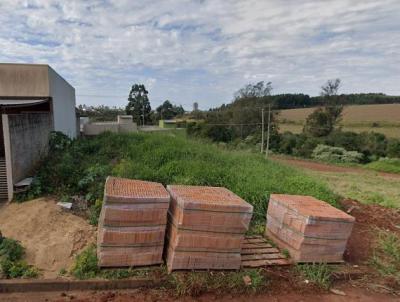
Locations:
column 352, row 295
column 322, row 167
column 51, row 236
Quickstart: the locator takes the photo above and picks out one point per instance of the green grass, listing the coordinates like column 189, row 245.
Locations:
column 386, row 257
column 233, row 282
column 317, row 273
column 385, row 165
column 366, row 187
column 170, row 158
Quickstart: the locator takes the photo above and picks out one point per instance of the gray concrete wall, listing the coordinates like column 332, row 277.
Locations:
column 24, row 80
column 124, row 123
column 97, row 128
column 28, row 139
column 63, row 95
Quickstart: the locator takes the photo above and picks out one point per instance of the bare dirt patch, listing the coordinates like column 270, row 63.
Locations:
column 368, row 219
column 51, row 236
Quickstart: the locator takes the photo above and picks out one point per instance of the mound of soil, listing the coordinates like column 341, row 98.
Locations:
column 51, row 236
column 368, row 219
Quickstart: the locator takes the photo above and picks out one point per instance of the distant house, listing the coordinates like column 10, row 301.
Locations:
column 167, row 123
column 34, row 101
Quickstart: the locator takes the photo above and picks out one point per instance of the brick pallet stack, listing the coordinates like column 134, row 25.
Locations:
column 132, row 223
column 206, row 227
column 310, row 229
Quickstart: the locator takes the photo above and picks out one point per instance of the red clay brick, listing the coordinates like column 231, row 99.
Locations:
column 206, row 228
column 134, row 214
column 312, row 230
column 180, row 260
column 206, row 241
column 131, row 191
column 311, row 207
column 129, row 256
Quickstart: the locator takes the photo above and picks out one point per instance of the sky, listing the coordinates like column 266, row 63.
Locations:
column 204, row 51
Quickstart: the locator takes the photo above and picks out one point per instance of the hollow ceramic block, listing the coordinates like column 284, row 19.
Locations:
column 182, row 260
column 310, row 229
column 123, row 215
column 209, row 209
column 189, row 240
column 132, row 191
column 129, row 256
column 128, row 236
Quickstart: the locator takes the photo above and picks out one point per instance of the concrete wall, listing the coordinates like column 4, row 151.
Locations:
column 28, row 139
column 124, row 123
column 63, row 95
column 24, row 80
column 97, row 128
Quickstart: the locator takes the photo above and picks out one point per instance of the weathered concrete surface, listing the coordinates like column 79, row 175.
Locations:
column 63, row 95
column 124, row 123
column 24, row 80
column 29, row 136
column 35, row 80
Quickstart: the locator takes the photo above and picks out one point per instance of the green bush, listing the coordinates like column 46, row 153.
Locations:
column 85, row 266
column 336, row 154
column 11, row 249
column 11, row 263
column 94, row 212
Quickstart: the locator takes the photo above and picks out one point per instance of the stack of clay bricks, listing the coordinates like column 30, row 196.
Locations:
column 310, row 229
column 132, row 223
column 206, row 227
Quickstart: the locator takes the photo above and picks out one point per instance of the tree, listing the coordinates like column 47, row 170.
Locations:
column 324, row 120
column 259, row 89
column 168, row 111
column 139, row 104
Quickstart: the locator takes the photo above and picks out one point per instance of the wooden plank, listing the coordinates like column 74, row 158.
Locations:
column 255, row 240
column 253, row 237
column 262, row 257
column 259, row 263
column 255, row 245
column 267, row 250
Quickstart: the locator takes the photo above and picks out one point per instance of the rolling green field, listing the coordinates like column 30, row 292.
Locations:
column 358, row 118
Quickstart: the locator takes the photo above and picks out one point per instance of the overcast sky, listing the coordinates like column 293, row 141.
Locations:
column 204, row 51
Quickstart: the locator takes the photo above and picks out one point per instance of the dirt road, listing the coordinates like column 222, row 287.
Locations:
column 352, row 295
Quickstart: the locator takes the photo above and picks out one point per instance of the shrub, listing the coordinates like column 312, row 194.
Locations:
column 11, row 263
column 336, row 154
column 11, row 249
column 85, row 266
column 94, row 212
column 58, row 141
column 393, row 148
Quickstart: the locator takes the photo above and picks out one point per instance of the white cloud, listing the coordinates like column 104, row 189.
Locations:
column 204, row 50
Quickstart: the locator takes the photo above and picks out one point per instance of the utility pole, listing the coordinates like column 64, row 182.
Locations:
column 268, row 130
column 262, row 130
column 143, row 111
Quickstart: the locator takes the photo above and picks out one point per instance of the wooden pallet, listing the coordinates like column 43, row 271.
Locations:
column 257, row 252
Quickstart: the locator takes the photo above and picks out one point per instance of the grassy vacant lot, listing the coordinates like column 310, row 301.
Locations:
column 169, row 158
column 368, row 187
column 358, row 118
